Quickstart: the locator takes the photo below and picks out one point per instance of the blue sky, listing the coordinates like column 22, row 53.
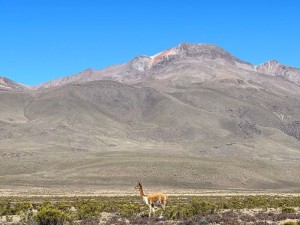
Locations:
column 42, row 40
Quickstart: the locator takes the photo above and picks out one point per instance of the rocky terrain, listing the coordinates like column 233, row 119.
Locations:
column 182, row 56
column 193, row 117
column 9, row 85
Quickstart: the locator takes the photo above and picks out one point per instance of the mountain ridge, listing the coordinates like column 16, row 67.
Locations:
column 7, row 84
column 141, row 66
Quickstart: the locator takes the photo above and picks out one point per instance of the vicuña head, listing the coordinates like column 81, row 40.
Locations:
column 154, row 201
column 138, row 186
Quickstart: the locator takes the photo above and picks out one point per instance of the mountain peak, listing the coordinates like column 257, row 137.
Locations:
column 191, row 50
column 274, row 68
column 272, row 62
column 185, row 46
column 184, row 57
column 88, row 70
column 204, row 51
column 7, row 85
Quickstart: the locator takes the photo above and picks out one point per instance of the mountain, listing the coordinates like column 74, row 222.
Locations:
column 191, row 117
column 7, row 85
column 274, row 68
column 186, row 54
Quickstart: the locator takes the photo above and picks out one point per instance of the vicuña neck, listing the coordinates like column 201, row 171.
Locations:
column 141, row 191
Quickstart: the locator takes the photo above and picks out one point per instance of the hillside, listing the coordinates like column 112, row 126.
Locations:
column 193, row 116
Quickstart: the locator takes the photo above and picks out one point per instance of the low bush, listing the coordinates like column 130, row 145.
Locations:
column 88, row 209
column 6, row 208
column 178, row 211
column 194, row 207
column 202, row 207
column 290, row 223
column 288, row 210
column 50, row 216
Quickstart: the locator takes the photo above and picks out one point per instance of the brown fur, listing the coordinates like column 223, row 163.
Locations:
column 155, row 200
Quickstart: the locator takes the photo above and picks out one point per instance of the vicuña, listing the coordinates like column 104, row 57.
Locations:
column 154, row 201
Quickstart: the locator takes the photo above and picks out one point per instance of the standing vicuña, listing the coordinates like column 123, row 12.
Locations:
column 156, row 200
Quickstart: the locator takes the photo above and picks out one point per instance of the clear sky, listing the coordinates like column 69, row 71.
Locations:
column 42, row 40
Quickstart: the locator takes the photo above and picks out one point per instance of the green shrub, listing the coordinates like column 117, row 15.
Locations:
column 63, row 206
column 202, row 207
column 50, row 216
column 128, row 210
column 179, row 211
column 288, row 210
column 46, row 204
column 235, row 203
column 22, row 207
column 290, row 223
column 6, row 208
column 88, row 209
column 195, row 207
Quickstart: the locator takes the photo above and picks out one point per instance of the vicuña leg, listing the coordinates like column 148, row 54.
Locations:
column 163, row 208
column 150, row 210
column 153, row 210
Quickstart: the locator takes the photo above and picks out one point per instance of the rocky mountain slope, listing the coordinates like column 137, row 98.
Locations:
column 274, row 68
column 183, row 54
column 192, row 117
column 7, row 85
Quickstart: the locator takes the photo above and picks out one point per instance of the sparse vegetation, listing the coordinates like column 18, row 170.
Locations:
column 290, row 223
column 88, row 209
column 47, row 216
column 183, row 210
column 288, row 210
